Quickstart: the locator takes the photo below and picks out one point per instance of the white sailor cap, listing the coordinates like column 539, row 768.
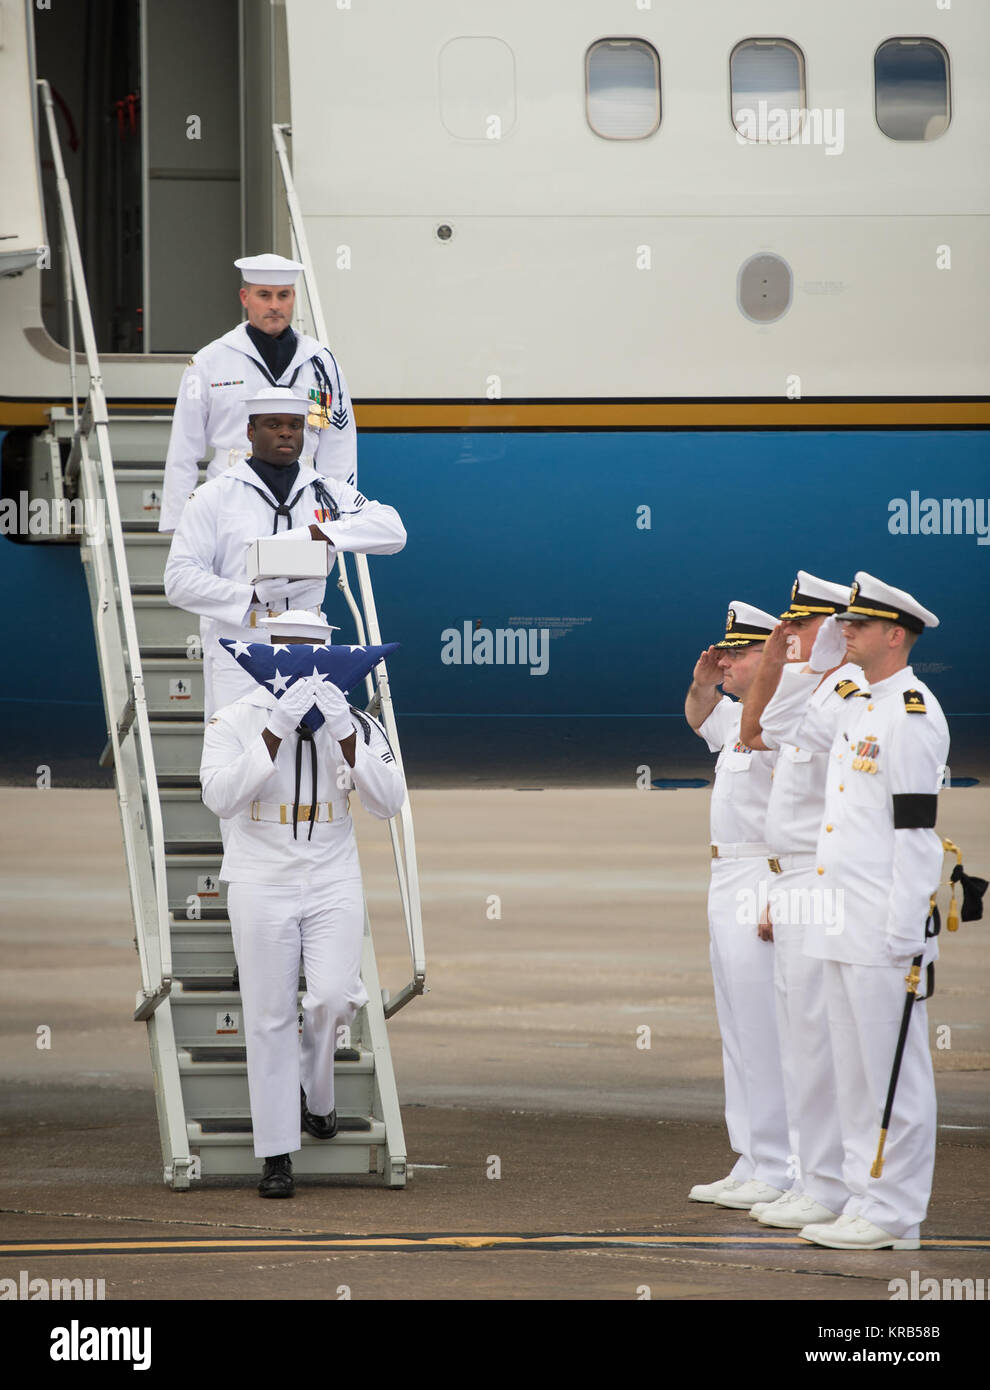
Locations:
column 276, row 400
column 811, row 596
column 268, row 270
column 745, row 626
column 298, row 622
column 872, row 598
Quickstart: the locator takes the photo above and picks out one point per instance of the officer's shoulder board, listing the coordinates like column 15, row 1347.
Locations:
column 846, row 688
column 914, row 702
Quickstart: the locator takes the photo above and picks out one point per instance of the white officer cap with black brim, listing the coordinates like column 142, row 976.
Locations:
column 812, row 597
column 298, row 622
column 268, row 270
column 277, row 400
column 871, row 598
column 746, row 626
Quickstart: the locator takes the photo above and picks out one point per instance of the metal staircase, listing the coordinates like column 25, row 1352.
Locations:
column 151, row 673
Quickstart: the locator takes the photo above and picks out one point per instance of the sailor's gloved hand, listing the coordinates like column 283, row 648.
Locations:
column 282, row 592
column 829, row 650
column 332, row 704
column 901, row 951
column 296, row 702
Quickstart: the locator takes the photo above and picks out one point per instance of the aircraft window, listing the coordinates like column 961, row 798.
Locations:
column 477, row 88
column 912, row 89
column 765, row 287
column 622, row 84
column 766, row 77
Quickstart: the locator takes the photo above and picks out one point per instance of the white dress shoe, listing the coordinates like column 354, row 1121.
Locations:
column 707, row 1192
column 758, row 1208
column 801, row 1210
column 741, row 1198
column 855, row 1233
column 746, row 1196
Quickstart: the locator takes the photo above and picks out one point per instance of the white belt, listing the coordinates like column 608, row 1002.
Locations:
column 742, row 851
column 226, row 458
column 784, row 862
column 282, row 814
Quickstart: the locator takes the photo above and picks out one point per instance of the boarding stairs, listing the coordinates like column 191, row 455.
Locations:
column 151, row 672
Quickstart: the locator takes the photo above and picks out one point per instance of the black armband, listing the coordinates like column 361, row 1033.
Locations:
column 915, row 811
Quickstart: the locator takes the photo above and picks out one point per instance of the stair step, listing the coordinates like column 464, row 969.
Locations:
column 161, row 625
column 146, row 555
column 173, row 687
column 227, row 1153
column 139, row 491
column 178, row 747
column 187, row 821
column 208, row 1061
column 241, row 1125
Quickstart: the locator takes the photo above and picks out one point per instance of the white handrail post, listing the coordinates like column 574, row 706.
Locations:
column 404, row 852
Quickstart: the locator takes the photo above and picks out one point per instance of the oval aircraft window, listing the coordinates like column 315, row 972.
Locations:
column 765, row 286
column 766, row 78
column 912, row 89
column 622, row 89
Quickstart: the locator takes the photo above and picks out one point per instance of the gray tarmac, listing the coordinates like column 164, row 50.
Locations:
column 528, row 1049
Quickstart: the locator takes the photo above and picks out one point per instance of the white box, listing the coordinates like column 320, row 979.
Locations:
column 273, row 557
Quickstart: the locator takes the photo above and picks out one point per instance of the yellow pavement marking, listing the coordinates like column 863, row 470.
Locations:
column 406, row 1242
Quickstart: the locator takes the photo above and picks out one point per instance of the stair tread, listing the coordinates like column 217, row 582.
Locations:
column 212, row 1050
column 233, row 1130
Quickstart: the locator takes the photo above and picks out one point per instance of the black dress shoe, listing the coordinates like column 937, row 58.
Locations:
column 276, row 1180
column 319, row 1126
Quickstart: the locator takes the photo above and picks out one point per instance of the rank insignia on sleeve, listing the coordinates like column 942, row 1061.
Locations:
column 846, row 688
column 914, row 702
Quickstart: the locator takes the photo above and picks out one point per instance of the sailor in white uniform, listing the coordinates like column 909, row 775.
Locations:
column 742, row 964
column 269, row 491
column 295, row 886
column 265, row 351
column 794, row 817
column 888, row 744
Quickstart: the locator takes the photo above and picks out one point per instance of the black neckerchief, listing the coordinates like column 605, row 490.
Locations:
column 276, row 350
column 277, row 477
column 305, row 736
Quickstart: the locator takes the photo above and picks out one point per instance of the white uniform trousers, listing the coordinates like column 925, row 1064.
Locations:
column 272, row 926
column 805, row 1044
column 742, row 973
column 865, row 1004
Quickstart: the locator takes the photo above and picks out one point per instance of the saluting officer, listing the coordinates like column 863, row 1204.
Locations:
column 265, row 351
column 294, row 894
column 742, row 964
column 888, row 744
column 268, row 492
column 794, row 816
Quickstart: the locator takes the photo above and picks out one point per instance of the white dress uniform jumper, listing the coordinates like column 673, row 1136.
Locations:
column 205, row 571
column 742, row 964
column 209, row 411
column 295, row 893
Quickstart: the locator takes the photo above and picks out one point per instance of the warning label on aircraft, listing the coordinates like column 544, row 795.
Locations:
column 207, row 886
column 228, row 1021
column 180, row 689
column 151, row 500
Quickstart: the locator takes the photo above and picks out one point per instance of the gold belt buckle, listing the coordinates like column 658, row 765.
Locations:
column 255, row 810
column 254, row 619
column 714, row 851
column 775, row 866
